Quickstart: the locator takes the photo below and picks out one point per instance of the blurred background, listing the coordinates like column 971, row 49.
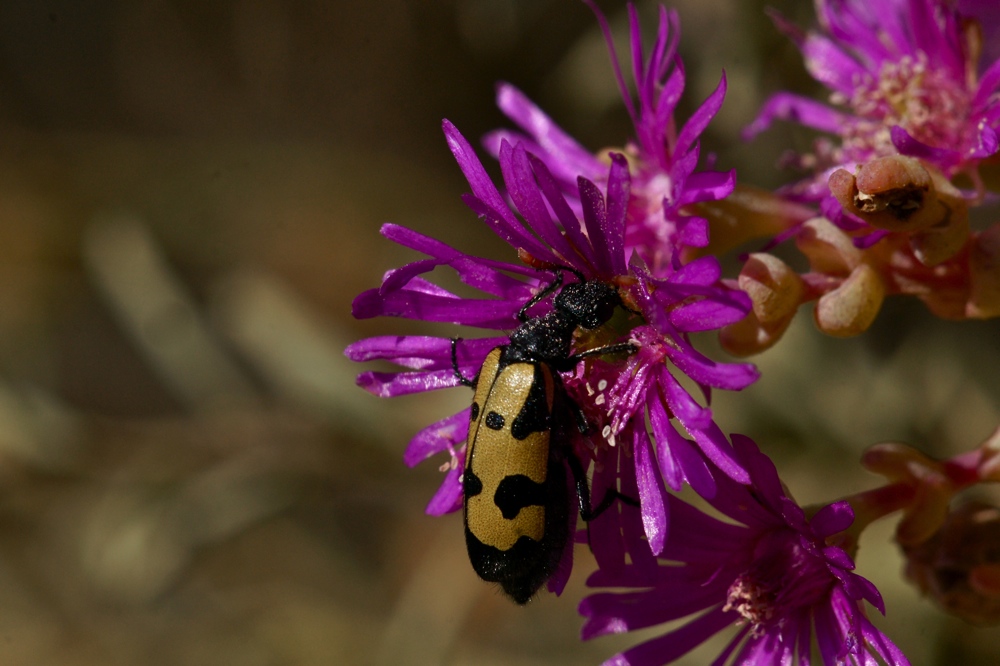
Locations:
column 190, row 197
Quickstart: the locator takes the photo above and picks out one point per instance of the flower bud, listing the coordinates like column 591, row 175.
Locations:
column 959, row 566
column 852, row 307
column 748, row 336
column 984, row 273
column 775, row 289
column 830, row 250
column 899, row 194
column 894, row 193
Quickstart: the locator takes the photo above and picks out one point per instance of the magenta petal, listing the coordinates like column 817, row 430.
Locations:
column 411, row 304
column 907, row 145
column 881, row 645
column 411, row 351
column 399, row 277
column 708, row 315
column 707, row 186
column 838, row 558
column 832, row 518
column 629, row 611
column 622, row 86
column 713, row 444
column 699, row 120
column 988, row 83
column 921, row 19
column 486, row 275
column 987, row 145
column 665, row 454
column 692, row 415
column 394, row 384
column 704, row 271
column 797, row 109
column 527, row 197
column 633, row 536
column 570, row 222
column 692, row 465
column 448, row 498
column 606, row 531
column 420, row 352
column 486, row 200
column 859, row 587
column 651, row 493
column 829, row 638
column 696, row 538
column 480, row 182
column 775, row 647
column 692, row 232
column 829, row 65
column 563, row 149
column 596, row 220
column 619, row 185
column 728, row 376
column 438, row 437
column 675, row 644
column 760, row 466
column 511, row 233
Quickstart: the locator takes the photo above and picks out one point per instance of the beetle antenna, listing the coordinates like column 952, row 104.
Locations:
column 522, row 315
column 579, row 276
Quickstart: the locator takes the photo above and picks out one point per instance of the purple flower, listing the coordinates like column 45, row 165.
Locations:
column 662, row 159
column 664, row 310
column 905, row 76
column 775, row 575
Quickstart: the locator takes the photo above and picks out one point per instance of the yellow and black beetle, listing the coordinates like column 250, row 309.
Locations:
column 514, row 482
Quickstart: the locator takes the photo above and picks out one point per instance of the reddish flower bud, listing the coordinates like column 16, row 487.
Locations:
column 959, row 566
column 775, row 289
column 851, row 308
column 829, row 249
column 748, row 336
column 984, row 273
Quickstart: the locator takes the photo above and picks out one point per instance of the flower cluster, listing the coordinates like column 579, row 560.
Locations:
column 915, row 107
column 772, row 572
column 912, row 120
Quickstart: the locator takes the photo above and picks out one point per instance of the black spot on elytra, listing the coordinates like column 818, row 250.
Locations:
column 516, row 492
column 534, row 415
column 471, row 484
column 494, row 421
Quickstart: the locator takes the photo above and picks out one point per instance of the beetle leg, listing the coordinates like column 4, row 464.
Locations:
column 583, row 493
column 616, row 348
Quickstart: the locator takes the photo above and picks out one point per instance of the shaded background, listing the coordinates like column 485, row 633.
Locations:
column 190, row 196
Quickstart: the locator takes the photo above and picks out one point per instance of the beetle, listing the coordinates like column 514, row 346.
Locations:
column 514, row 480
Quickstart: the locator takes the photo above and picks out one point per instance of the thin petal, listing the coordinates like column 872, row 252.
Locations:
column 676, row 643
column 651, row 493
column 832, row 518
column 561, row 148
column 798, row 109
column 395, row 384
column 699, row 120
column 447, row 433
column 448, row 498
